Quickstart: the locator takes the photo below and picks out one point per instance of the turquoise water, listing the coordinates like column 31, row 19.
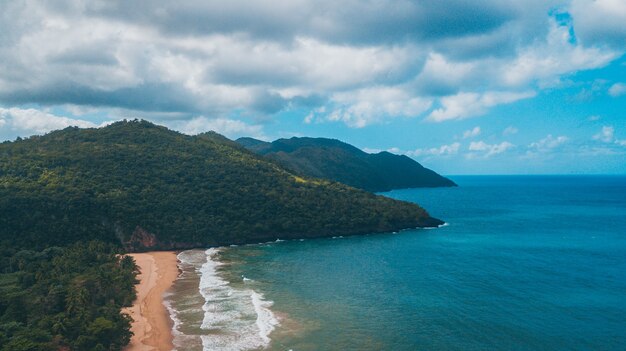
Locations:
column 526, row 263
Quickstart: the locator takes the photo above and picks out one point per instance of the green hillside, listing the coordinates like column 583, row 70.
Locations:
column 148, row 187
column 341, row 162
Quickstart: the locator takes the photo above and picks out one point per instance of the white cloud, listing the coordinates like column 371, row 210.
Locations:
column 306, row 65
column 548, row 143
column 556, row 56
column 601, row 21
column 441, row 73
column 471, row 133
column 364, row 62
column 510, row 130
column 370, row 105
column 371, row 151
column 605, row 135
column 33, row 121
column 617, row 89
column 465, row 105
column 482, row 149
column 24, row 122
column 228, row 127
column 443, row 150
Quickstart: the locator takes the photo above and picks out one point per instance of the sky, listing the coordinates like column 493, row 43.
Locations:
column 461, row 86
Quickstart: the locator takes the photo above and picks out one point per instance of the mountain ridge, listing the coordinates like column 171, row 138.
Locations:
column 146, row 187
column 339, row 161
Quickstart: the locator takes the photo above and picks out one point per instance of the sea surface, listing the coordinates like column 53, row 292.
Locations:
column 524, row 263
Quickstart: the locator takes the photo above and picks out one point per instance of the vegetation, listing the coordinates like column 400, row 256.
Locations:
column 72, row 200
column 341, row 162
column 147, row 187
column 65, row 298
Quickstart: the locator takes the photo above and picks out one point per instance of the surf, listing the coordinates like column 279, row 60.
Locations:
column 234, row 318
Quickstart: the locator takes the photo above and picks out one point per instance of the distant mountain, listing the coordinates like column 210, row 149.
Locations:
column 148, row 187
column 342, row 162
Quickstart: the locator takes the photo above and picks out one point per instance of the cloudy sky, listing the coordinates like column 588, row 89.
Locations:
column 462, row 86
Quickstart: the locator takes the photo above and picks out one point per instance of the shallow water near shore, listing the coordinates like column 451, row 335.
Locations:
column 525, row 263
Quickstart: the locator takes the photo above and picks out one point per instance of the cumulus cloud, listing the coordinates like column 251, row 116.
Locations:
column 600, row 21
column 33, row 121
column 16, row 121
column 231, row 128
column 617, row 89
column 606, row 134
column 443, row 150
column 464, row 105
column 370, row 105
column 329, row 20
column 442, row 76
column 471, row 133
column 354, row 62
column 558, row 54
column 548, row 143
column 482, row 149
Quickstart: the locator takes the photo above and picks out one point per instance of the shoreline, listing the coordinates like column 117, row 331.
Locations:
column 152, row 325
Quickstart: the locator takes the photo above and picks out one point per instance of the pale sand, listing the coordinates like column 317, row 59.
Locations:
column 152, row 324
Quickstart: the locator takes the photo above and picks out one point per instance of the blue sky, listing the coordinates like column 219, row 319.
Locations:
column 464, row 87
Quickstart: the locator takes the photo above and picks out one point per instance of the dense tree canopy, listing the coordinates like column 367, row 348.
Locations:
column 65, row 298
column 148, row 187
column 341, row 162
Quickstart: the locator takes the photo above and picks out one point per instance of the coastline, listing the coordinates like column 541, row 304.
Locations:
column 152, row 325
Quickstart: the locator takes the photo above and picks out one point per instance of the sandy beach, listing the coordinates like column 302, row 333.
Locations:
column 152, row 324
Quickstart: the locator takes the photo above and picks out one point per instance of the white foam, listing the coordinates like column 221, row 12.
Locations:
column 188, row 262
column 177, row 322
column 437, row 227
column 234, row 318
column 172, row 312
column 265, row 321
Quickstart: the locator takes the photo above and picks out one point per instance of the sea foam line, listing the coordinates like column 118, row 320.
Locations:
column 188, row 264
column 174, row 317
column 235, row 319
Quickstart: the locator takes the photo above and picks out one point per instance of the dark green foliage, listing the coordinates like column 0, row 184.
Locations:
column 341, row 162
column 149, row 187
column 66, row 297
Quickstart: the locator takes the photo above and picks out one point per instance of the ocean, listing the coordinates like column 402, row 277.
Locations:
column 523, row 263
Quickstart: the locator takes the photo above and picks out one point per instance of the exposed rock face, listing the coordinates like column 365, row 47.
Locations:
column 142, row 240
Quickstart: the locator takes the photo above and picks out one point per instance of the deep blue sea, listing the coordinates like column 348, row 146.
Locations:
column 525, row 263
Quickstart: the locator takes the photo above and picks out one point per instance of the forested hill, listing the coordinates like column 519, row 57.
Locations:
column 148, row 187
column 338, row 161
